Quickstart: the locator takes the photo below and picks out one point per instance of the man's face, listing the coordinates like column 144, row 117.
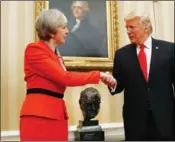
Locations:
column 90, row 105
column 135, row 30
column 77, row 11
column 91, row 108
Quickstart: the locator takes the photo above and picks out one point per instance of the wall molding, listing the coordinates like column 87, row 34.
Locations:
column 113, row 131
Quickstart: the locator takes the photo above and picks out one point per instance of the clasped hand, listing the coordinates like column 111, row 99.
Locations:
column 108, row 79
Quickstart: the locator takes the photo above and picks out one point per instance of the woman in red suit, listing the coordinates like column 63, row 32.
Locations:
column 43, row 114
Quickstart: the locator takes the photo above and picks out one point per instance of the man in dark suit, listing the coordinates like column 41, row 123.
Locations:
column 84, row 39
column 145, row 70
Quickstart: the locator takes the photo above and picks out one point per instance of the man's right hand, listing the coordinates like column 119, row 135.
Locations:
column 108, row 79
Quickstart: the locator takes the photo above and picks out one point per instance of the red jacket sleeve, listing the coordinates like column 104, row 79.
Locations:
column 42, row 64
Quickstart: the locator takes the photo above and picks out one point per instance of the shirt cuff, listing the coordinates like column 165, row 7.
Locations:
column 113, row 88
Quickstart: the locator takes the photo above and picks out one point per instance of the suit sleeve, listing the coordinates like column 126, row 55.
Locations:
column 173, row 65
column 44, row 66
column 117, row 74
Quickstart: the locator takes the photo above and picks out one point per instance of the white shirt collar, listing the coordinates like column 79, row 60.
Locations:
column 148, row 43
column 78, row 21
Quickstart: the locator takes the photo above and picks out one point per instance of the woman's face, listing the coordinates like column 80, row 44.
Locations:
column 60, row 35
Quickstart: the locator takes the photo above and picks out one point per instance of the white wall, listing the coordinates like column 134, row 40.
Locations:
column 17, row 31
column 164, row 17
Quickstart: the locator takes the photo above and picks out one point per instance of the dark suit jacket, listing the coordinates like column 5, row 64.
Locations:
column 139, row 95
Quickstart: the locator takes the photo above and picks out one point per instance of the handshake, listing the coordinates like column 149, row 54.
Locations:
column 108, row 79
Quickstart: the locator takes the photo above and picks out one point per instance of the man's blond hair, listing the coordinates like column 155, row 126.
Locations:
column 144, row 18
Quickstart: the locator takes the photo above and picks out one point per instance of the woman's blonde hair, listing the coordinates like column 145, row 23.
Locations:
column 48, row 22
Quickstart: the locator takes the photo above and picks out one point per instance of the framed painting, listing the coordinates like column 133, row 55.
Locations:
column 93, row 32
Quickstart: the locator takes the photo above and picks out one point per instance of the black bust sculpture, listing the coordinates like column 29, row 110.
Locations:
column 89, row 101
column 89, row 130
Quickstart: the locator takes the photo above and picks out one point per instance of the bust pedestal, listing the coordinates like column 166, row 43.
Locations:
column 89, row 131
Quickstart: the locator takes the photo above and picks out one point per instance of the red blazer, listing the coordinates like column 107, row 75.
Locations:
column 43, row 70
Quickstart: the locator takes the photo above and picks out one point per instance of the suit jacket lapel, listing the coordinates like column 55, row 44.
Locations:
column 48, row 50
column 135, row 57
column 154, row 55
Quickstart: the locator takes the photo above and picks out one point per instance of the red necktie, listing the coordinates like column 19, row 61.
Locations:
column 142, row 61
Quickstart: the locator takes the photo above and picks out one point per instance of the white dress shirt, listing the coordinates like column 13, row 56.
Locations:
column 76, row 25
column 148, row 52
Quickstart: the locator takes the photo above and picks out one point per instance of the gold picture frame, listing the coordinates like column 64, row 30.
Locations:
column 88, row 63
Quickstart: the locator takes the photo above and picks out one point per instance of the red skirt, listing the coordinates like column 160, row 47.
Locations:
column 33, row 128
